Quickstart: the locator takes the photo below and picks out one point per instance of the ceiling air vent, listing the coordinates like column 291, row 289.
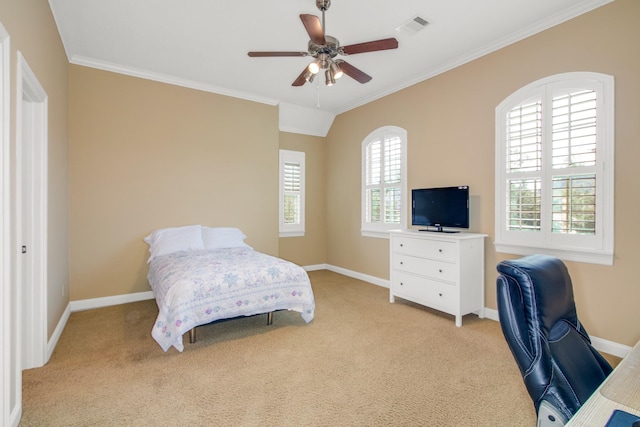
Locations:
column 412, row 26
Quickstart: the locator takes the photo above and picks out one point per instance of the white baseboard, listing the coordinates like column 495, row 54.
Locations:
column 349, row 273
column 55, row 337
column 610, row 347
column 315, row 267
column 491, row 314
column 15, row 416
column 88, row 304
column 364, row 277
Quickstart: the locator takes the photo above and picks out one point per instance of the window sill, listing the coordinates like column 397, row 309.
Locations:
column 591, row 257
column 292, row 234
column 376, row 234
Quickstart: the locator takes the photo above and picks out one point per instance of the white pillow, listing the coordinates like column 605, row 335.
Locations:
column 223, row 237
column 168, row 240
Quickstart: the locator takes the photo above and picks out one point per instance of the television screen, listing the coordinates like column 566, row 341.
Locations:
column 440, row 207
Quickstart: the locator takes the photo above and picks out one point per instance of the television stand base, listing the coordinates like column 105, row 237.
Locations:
column 438, row 230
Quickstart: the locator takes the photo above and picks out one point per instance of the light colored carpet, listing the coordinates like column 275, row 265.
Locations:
column 361, row 362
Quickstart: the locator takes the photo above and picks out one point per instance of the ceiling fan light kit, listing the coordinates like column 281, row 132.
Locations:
column 314, row 67
column 336, row 70
column 324, row 49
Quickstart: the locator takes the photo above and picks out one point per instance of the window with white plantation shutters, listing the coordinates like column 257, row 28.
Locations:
column 384, row 181
column 554, row 168
column 292, row 167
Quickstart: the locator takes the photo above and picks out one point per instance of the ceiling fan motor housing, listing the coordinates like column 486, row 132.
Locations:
column 329, row 49
column 323, row 4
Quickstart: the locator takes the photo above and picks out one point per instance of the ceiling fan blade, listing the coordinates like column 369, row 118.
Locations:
column 373, row 46
column 269, row 54
column 314, row 28
column 353, row 72
column 301, row 79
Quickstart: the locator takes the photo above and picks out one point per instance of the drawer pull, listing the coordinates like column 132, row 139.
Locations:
column 440, row 250
column 401, row 245
column 401, row 263
column 440, row 294
column 440, row 271
column 401, row 283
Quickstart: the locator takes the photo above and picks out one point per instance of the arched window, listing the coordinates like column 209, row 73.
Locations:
column 384, row 181
column 555, row 169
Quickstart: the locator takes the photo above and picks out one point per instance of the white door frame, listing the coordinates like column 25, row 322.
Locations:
column 10, row 372
column 31, row 214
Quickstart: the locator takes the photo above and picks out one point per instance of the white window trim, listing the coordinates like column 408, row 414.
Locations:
column 382, row 230
column 292, row 230
column 600, row 250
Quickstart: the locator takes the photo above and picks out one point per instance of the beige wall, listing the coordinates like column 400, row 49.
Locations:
column 310, row 249
column 34, row 33
column 450, row 125
column 147, row 155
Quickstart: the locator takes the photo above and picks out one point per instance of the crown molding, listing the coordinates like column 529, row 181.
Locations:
column 163, row 78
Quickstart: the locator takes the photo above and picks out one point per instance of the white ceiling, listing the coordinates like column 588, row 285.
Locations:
column 203, row 44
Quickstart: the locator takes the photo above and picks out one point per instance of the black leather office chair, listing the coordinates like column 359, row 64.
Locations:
column 538, row 317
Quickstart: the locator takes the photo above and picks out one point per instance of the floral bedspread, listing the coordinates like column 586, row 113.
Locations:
column 197, row 287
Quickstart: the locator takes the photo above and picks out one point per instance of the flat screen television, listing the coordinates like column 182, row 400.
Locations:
column 440, row 207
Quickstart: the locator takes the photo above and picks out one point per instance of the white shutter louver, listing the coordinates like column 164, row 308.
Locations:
column 524, row 163
column 574, row 129
column 524, row 138
column 392, row 179
column 291, row 193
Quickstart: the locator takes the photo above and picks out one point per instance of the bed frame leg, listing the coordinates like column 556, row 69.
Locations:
column 270, row 318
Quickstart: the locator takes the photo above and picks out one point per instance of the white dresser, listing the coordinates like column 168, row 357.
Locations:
column 444, row 271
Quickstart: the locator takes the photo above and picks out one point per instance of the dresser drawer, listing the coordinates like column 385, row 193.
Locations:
column 424, row 291
column 434, row 249
column 440, row 270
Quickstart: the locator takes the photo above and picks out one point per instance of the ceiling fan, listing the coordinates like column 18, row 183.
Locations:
column 324, row 49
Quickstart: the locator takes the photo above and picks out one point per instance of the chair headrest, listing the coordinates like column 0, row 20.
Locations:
column 546, row 289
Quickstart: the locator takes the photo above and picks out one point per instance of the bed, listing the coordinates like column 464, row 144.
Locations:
column 202, row 274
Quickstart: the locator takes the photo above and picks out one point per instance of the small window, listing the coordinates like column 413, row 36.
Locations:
column 384, row 159
column 555, row 170
column 292, row 171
